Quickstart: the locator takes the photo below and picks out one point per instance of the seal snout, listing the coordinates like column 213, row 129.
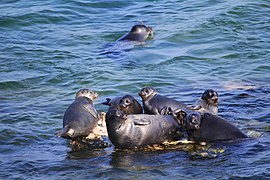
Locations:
column 215, row 100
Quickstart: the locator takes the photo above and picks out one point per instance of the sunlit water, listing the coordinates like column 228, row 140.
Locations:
column 51, row 49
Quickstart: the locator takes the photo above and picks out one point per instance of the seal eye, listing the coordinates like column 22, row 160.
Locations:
column 127, row 101
column 85, row 91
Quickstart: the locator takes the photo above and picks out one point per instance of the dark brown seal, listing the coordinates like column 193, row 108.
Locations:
column 207, row 103
column 139, row 130
column 81, row 116
column 208, row 127
column 138, row 33
column 153, row 103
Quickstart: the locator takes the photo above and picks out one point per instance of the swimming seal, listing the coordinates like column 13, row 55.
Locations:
column 207, row 103
column 81, row 116
column 208, row 127
column 138, row 33
column 139, row 130
column 153, row 103
column 128, row 104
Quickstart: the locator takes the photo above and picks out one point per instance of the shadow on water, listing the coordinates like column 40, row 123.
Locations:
column 120, row 52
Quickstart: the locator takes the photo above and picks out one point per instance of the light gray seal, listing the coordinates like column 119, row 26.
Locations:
column 153, row 103
column 207, row 103
column 128, row 104
column 139, row 130
column 138, row 33
column 81, row 116
column 207, row 127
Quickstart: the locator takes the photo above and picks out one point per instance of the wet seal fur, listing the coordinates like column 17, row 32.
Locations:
column 138, row 33
column 207, row 103
column 128, row 104
column 81, row 116
column 207, row 127
column 139, row 130
column 153, row 103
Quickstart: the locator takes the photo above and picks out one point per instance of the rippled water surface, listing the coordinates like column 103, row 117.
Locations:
column 51, row 49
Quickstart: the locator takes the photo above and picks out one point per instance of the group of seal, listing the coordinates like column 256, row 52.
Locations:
column 130, row 125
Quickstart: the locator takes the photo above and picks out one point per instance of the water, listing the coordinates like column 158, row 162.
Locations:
column 50, row 49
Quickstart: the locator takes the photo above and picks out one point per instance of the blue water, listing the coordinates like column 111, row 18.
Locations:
column 51, row 49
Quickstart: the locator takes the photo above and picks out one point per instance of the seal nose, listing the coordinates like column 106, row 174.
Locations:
column 95, row 95
column 215, row 99
column 123, row 105
column 150, row 31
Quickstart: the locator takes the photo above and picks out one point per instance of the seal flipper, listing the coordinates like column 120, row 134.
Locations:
column 179, row 115
column 141, row 122
column 194, row 107
column 165, row 110
column 66, row 132
column 107, row 102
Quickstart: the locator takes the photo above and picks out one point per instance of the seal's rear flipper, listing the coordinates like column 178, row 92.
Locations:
column 107, row 102
column 66, row 132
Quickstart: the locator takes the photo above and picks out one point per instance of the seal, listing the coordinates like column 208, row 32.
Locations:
column 139, row 130
column 153, row 103
column 207, row 127
column 207, row 103
column 128, row 104
column 138, row 33
column 81, row 117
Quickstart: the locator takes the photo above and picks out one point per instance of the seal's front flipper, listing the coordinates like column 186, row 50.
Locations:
column 141, row 122
column 166, row 110
column 107, row 102
column 179, row 115
column 194, row 107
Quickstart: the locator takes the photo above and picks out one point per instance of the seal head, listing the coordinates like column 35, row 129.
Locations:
column 87, row 93
column 130, row 105
column 138, row 33
column 147, row 93
column 210, row 97
column 193, row 121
